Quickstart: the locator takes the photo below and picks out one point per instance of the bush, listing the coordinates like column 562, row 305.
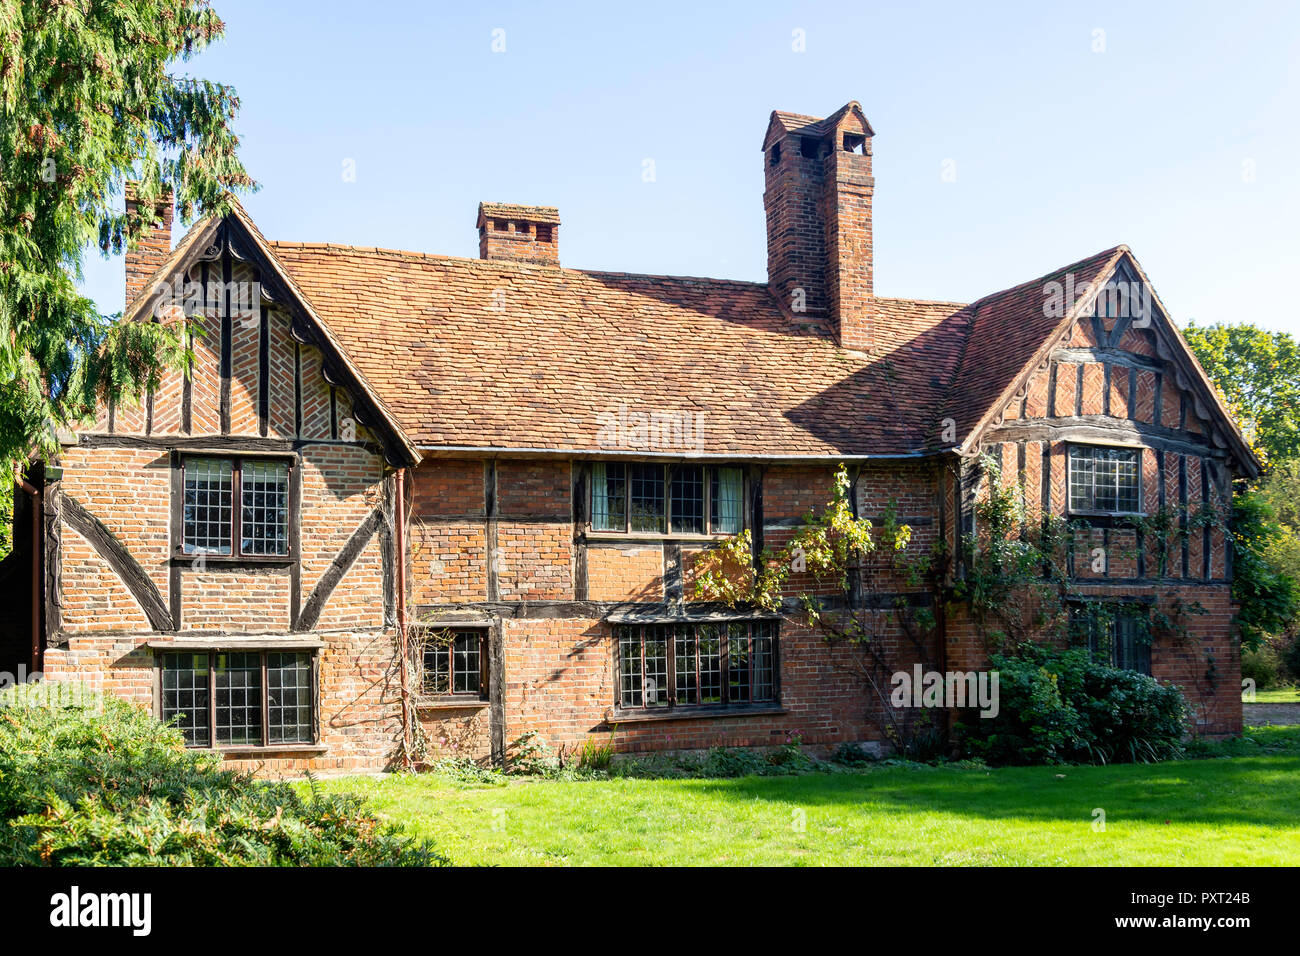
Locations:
column 1264, row 666
column 1291, row 658
column 1062, row 707
column 105, row 784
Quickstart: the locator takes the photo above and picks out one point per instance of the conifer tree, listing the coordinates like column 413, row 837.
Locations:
column 88, row 102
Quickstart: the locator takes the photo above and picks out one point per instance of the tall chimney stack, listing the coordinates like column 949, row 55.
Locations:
column 818, row 203
column 155, row 243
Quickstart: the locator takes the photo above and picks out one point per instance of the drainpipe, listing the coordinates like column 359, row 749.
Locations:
column 399, row 538
column 35, row 494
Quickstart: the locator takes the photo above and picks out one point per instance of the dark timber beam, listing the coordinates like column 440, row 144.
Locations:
column 120, row 560
column 315, row 603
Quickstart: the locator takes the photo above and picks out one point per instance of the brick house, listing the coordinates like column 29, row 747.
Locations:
column 508, row 468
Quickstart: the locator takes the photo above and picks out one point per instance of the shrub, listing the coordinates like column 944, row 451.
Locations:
column 852, row 755
column 1062, row 707
column 1264, row 665
column 1291, row 658
column 107, row 784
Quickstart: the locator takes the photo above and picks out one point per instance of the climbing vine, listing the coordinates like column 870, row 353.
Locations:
column 1016, row 583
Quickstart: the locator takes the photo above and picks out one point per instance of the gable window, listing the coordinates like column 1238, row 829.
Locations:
column 456, row 662
column 1104, row 479
column 240, row 699
column 642, row 498
column 696, row 665
column 1118, row 636
column 215, row 521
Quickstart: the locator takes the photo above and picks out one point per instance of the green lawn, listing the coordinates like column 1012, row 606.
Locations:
column 1242, row 810
column 1281, row 695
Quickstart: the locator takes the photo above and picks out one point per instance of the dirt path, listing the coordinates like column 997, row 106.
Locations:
column 1262, row 715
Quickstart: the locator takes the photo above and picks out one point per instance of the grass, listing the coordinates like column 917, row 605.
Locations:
column 1279, row 695
column 1238, row 805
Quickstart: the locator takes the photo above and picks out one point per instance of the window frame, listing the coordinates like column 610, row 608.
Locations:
column 1070, row 448
column 670, row 635
column 708, row 471
column 483, row 694
column 1141, row 652
column 237, row 461
column 213, row 744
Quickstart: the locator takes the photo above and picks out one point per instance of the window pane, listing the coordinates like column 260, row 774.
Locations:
column 288, row 680
column 702, row 673
column 239, row 699
column 465, row 662
column 688, row 500
column 646, row 497
column 738, row 688
column 655, row 681
column 764, row 660
column 608, row 497
column 185, row 695
column 726, row 495
column 629, row 656
column 437, row 662
column 265, row 502
column 208, row 515
column 1132, row 647
column 684, row 653
column 1103, row 479
column 710, row 645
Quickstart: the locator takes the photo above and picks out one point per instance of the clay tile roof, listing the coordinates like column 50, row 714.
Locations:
column 503, row 210
column 1006, row 331
column 470, row 353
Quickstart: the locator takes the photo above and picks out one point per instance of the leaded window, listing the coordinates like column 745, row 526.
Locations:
column 1114, row 635
column 240, row 698
column 680, row 499
column 455, row 662
column 685, row 665
column 210, row 522
column 1104, row 479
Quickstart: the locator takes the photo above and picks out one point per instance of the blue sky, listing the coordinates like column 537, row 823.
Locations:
column 1179, row 137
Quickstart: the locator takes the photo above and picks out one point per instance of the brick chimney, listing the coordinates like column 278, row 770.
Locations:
column 154, row 247
column 509, row 233
column 818, row 204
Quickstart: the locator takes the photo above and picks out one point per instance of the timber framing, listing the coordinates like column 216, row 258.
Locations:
column 117, row 557
column 315, row 603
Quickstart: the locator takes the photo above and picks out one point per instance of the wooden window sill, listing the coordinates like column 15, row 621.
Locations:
column 643, row 716
column 235, row 561
column 260, row 751
column 647, row 537
column 450, row 703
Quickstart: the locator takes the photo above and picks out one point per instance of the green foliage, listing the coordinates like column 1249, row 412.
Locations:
column 6, row 514
column 828, row 545
column 1268, row 598
column 1291, row 658
column 87, row 102
column 1258, row 374
column 1264, row 666
column 1062, row 707
column 107, row 784
column 594, row 756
